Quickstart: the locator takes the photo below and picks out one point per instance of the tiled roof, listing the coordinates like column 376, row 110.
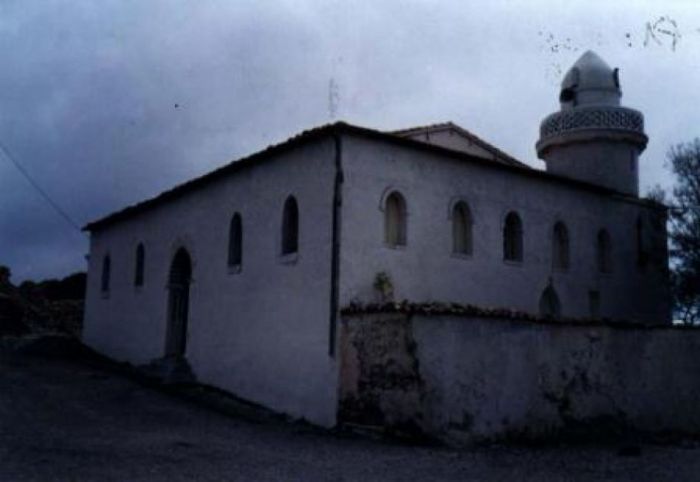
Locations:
column 339, row 128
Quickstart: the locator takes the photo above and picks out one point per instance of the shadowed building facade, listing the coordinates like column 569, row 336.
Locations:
column 243, row 272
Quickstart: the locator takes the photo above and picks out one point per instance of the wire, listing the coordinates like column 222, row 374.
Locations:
column 38, row 188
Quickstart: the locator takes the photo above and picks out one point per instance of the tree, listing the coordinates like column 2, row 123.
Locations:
column 5, row 275
column 684, row 232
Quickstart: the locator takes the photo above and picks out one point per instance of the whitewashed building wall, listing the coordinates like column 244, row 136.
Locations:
column 426, row 268
column 261, row 333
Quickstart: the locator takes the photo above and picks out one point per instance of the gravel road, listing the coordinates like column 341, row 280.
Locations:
column 63, row 419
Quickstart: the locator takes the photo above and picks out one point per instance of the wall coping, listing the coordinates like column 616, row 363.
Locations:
column 460, row 310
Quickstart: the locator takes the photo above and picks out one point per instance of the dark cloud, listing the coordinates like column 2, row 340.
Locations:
column 106, row 103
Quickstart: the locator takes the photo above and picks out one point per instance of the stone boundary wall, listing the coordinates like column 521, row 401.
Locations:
column 466, row 378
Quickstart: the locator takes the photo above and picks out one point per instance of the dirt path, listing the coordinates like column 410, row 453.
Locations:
column 63, row 420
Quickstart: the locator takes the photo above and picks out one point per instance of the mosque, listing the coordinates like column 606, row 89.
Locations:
column 243, row 272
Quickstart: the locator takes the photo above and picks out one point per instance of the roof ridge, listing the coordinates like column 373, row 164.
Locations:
column 437, row 125
column 466, row 133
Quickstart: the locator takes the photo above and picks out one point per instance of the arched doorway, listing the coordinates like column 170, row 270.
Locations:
column 550, row 306
column 178, row 304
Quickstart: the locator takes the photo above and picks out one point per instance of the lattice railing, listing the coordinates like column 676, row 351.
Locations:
column 598, row 117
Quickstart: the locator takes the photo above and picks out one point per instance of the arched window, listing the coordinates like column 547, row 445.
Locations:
column 235, row 241
column 140, row 261
column 290, row 226
column 106, row 268
column 641, row 251
column 550, row 306
column 603, row 252
column 560, row 246
column 461, row 228
column 569, row 88
column 395, row 220
column 513, row 238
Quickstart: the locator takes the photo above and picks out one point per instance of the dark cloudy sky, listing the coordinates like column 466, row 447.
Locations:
column 105, row 103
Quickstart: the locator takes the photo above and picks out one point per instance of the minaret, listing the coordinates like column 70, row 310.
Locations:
column 592, row 138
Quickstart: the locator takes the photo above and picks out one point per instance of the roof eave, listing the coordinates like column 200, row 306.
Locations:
column 332, row 129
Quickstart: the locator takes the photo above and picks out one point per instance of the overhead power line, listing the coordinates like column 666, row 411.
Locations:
column 38, row 188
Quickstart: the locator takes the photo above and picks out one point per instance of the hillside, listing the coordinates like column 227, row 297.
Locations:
column 50, row 306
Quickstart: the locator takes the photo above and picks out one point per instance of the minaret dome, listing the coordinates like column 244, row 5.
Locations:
column 593, row 138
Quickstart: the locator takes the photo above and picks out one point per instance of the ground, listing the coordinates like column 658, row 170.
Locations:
column 64, row 418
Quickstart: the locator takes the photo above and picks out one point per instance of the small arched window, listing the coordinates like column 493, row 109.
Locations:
column 641, row 251
column 513, row 237
column 290, row 226
column 550, row 306
column 461, row 229
column 140, row 264
column 604, row 252
column 395, row 220
column 560, row 247
column 235, row 241
column 106, row 275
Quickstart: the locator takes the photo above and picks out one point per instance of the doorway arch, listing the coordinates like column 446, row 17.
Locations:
column 550, row 306
column 179, row 280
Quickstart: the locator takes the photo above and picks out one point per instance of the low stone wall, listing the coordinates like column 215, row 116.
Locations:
column 467, row 379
